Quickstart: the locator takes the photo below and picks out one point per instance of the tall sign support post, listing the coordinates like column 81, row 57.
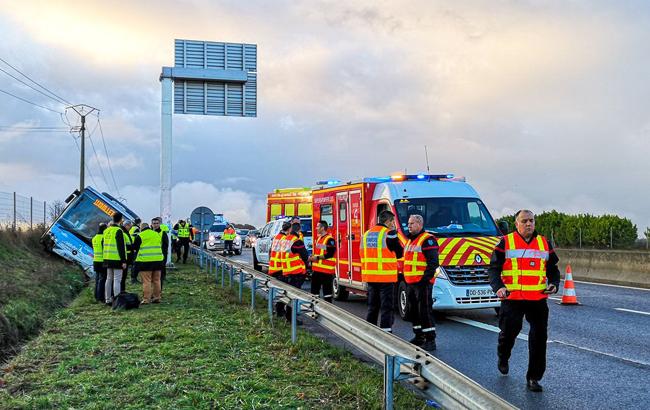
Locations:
column 208, row 78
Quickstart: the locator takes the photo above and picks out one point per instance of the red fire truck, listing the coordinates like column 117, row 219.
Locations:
column 288, row 202
column 452, row 211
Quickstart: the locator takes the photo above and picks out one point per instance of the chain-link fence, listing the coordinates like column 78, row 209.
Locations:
column 21, row 212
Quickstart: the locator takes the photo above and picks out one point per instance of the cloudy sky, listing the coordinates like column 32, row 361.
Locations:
column 540, row 104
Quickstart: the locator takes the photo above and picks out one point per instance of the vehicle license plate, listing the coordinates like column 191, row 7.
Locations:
column 479, row 292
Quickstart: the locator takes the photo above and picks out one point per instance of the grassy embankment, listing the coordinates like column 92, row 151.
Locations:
column 198, row 349
column 33, row 285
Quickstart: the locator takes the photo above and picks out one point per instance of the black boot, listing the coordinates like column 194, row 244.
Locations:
column 429, row 345
column 418, row 340
column 503, row 366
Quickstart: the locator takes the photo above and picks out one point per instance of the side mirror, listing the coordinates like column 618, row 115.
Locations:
column 503, row 227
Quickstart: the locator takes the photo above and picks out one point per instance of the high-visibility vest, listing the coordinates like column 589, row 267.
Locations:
column 110, row 244
column 98, row 250
column 292, row 264
column 134, row 231
column 275, row 260
column 414, row 261
column 183, row 231
column 320, row 249
column 127, row 243
column 524, row 269
column 378, row 264
column 229, row 234
column 151, row 247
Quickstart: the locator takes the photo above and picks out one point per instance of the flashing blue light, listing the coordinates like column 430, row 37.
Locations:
column 420, row 176
column 450, row 176
column 329, row 182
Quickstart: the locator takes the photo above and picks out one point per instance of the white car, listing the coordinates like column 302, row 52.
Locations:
column 215, row 243
column 262, row 246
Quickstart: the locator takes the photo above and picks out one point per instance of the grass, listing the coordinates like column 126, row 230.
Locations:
column 198, row 349
column 33, row 285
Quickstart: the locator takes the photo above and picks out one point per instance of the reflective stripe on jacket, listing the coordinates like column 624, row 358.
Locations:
column 151, row 247
column 292, row 263
column 275, row 260
column 110, row 244
column 524, row 269
column 378, row 264
column 415, row 263
column 320, row 249
column 98, row 250
column 183, row 231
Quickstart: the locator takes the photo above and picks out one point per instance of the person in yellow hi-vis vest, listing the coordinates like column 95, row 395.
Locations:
column 114, row 254
column 148, row 246
column 98, row 263
column 185, row 236
column 380, row 250
column 523, row 272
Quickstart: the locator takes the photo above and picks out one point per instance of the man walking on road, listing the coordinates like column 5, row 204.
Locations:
column 523, row 272
column 380, row 249
column 420, row 264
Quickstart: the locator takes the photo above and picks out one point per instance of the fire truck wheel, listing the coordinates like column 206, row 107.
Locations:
column 340, row 292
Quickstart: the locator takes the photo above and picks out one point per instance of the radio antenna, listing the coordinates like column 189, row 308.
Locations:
column 426, row 155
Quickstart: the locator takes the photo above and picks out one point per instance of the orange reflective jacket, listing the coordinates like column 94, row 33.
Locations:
column 378, row 264
column 524, row 269
column 414, row 261
column 320, row 249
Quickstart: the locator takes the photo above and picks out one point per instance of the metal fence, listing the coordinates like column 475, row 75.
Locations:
column 21, row 212
column 443, row 386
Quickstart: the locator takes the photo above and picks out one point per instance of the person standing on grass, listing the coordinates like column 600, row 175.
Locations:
column 157, row 226
column 149, row 260
column 98, row 263
column 114, row 253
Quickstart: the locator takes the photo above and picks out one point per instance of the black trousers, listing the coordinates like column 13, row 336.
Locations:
column 380, row 300
column 182, row 245
column 420, row 309
column 295, row 281
column 100, row 281
column 510, row 322
column 227, row 248
column 134, row 272
column 325, row 281
column 125, row 273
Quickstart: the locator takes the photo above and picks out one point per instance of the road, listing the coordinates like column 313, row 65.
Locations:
column 598, row 353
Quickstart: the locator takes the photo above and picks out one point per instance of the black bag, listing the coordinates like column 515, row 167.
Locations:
column 126, row 301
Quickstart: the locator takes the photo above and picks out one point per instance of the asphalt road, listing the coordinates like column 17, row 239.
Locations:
column 598, row 353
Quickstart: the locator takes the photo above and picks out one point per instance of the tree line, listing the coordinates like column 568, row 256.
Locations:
column 583, row 230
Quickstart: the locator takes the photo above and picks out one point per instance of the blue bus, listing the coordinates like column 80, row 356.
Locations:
column 70, row 235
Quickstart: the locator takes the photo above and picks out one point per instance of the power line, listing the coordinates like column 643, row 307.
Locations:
column 92, row 144
column 61, row 99
column 21, row 127
column 85, row 165
column 30, row 102
column 30, row 86
column 110, row 168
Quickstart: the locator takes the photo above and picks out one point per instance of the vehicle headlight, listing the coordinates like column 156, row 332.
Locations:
column 440, row 273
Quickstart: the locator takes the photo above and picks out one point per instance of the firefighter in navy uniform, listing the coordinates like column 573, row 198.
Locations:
column 295, row 260
column 420, row 264
column 523, row 272
column 380, row 250
column 276, row 262
column 323, row 263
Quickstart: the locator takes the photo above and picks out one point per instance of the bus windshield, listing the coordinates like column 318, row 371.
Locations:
column 83, row 218
column 448, row 217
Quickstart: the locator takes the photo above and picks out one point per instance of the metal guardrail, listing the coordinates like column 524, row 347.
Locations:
column 444, row 386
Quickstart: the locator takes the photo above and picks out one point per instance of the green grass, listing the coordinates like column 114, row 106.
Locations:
column 33, row 285
column 198, row 349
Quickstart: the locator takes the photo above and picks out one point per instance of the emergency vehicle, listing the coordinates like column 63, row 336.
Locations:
column 288, row 202
column 452, row 211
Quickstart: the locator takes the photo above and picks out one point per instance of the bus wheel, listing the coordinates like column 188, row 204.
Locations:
column 340, row 292
column 402, row 300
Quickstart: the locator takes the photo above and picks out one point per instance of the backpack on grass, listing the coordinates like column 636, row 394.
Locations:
column 126, row 301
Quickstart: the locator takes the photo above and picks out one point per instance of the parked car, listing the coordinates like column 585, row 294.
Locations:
column 262, row 246
column 215, row 243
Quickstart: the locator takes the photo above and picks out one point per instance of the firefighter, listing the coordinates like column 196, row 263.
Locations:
column 130, row 256
column 295, row 259
column 380, row 249
column 162, row 229
column 114, row 254
column 184, row 234
column 276, row 261
column 296, row 220
column 134, row 231
column 323, row 263
column 228, row 236
column 523, row 272
column 420, row 264
column 98, row 263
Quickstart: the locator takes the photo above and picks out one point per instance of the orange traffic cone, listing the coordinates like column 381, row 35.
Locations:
column 569, row 296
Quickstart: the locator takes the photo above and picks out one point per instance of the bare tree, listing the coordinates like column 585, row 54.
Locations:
column 55, row 209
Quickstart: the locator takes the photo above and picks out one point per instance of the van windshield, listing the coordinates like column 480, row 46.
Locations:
column 218, row 228
column 447, row 217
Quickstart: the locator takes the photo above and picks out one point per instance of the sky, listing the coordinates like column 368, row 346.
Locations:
column 539, row 104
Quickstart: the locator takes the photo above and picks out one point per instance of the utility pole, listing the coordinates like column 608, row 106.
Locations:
column 82, row 110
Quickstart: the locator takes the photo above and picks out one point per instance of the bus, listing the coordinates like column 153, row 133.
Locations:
column 70, row 235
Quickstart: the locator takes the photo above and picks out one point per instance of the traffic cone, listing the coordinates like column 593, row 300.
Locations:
column 569, row 296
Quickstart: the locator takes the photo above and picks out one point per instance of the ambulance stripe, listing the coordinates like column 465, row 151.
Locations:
column 487, row 241
column 452, row 252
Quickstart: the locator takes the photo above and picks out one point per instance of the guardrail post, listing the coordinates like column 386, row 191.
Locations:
column 216, row 271
column 241, row 285
column 389, row 369
column 295, row 305
column 271, row 297
column 232, row 276
column 223, row 274
column 253, row 292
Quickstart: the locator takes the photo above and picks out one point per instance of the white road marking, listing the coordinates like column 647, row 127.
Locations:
column 482, row 325
column 613, row 286
column 633, row 311
column 601, row 353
